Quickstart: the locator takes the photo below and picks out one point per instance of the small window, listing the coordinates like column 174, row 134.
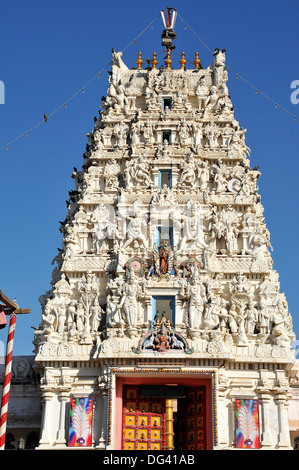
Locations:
column 164, row 306
column 166, row 135
column 166, row 103
column 164, row 234
column 165, row 178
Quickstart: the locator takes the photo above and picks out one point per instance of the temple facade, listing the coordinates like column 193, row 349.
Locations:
column 165, row 327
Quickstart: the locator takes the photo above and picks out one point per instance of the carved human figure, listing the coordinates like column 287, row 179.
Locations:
column 80, row 317
column 223, row 315
column 71, row 243
column 188, row 172
column 212, row 132
column 49, row 317
column 212, row 312
column 110, row 174
column 211, row 101
column 88, row 288
column 104, row 226
column 220, row 176
column 135, row 231
column 148, row 132
column 279, row 332
column 203, row 175
column 197, row 128
column 71, row 314
column 61, row 319
column 227, row 133
column 135, row 134
column 251, row 317
column 263, row 318
column 95, row 315
column 128, row 302
column 192, row 226
column 196, row 301
column 232, row 319
column 139, row 172
column 183, row 132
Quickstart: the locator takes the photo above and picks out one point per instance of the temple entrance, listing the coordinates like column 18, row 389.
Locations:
column 164, row 418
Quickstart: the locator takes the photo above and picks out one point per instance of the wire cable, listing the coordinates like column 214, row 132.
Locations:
column 257, row 90
column 82, row 88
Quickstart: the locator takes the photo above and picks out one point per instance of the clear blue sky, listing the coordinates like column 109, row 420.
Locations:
column 50, row 49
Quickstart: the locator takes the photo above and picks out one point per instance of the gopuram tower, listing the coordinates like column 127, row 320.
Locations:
column 165, row 327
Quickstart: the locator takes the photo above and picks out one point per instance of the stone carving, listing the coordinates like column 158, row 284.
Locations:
column 192, row 227
column 128, row 304
column 188, row 175
column 136, row 229
column 196, row 296
column 104, row 226
column 110, row 175
column 137, row 171
column 163, row 338
column 219, row 268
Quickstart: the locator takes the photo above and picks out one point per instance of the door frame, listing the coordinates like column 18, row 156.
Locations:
column 136, row 376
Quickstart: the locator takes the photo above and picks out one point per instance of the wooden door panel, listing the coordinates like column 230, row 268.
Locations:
column 143, row 421
column 192, row 420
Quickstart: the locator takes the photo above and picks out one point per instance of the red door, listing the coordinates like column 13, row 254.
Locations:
column 192, row 420
column 143, row 421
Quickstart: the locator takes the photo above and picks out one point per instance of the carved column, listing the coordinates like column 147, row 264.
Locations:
column 233, row 423
column 223, row 417
column 64, row 388
column 103, row 437
column 45, row 425
column 265, row 420
column 283, row 434
column 63, row 398
column 264, row 391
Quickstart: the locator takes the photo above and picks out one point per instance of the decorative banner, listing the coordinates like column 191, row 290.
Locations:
column 80, row 430
column 247, row 424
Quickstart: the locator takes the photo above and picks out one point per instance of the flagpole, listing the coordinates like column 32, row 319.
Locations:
column 7, row 379
column 10, row 308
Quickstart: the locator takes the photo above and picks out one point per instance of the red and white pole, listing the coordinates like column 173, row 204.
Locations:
column 7, row 379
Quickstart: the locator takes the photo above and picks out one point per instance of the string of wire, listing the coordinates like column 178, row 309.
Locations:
column 82, row 88
column 64, row 104
column 277, row 105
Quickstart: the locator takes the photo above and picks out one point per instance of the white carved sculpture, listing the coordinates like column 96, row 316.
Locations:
column 135, row 230
column 129, row 300
column 137, row 171
column 195, row 294
column 192, row 226
column 104, row 226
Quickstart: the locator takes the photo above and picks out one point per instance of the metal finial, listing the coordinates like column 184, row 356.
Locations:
column 183, row 61
column 168, row 60
column 197, row 61
column 139, row 61
column 154, row 61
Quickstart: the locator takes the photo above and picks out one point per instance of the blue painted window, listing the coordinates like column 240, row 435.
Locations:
column 165, row 177
column 166, row 102
column 163, row 305
column 166, row 135
column 164, row 233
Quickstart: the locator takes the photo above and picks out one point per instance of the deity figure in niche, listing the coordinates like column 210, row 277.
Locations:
column 129, row 303
column 195, row 293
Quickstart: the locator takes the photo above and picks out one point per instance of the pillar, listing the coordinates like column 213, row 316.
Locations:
column 45, row 425
column 169, row 424
column 266, row 442
column 61, row 439
column 103, row 437
column 283, row 428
